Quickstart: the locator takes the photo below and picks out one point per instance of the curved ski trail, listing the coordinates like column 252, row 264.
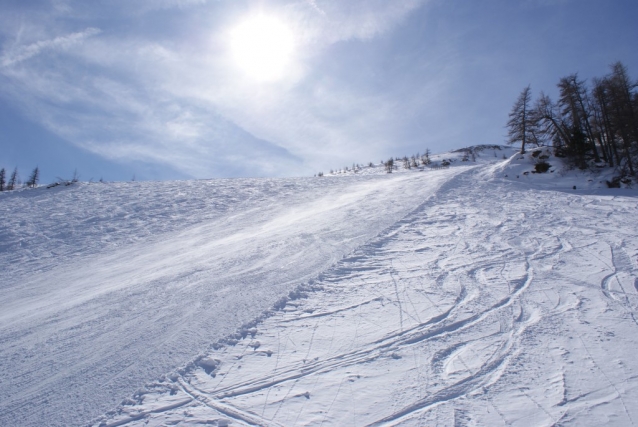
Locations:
column 463, row 312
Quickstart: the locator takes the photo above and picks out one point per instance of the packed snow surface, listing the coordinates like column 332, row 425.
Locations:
column 105, row 287
column 473, row 295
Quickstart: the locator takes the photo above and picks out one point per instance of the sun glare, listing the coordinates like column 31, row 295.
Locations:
column 262, row 47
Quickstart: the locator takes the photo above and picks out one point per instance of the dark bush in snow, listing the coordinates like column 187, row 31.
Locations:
column 542, row 167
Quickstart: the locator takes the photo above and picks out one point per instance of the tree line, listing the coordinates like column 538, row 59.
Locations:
column 414, row 161
column 14, row 179
column 589, row 123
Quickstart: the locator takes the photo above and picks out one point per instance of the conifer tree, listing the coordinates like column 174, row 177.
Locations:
column 425, row 160
column 573, row 106
column 2, row 179
column 624, row 110
column 521, row 123
column 595, row 123
column 11, row 185
column 34, row 178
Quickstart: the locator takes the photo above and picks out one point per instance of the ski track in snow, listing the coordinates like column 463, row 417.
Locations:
column 106, row 287
column 491, row 303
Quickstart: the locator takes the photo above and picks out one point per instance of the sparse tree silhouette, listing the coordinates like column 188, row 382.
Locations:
column 601, row 121
column 624, row 105
column 389, row 165
column 13, row 180
column 406, row 162
column 425, row 159
column 573, row 108
column 597, row 124
column 32, row 182
column 3, row 179
column 521, row 124
column 550, row 127
column 413, row 162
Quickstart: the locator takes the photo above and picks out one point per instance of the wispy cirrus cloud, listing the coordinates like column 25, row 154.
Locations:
column 22, row 53
column 178, row 100
column 369, row 78
column 358, row 18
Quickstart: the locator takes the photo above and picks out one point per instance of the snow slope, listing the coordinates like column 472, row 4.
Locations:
column 474, row 155
column 492, row 303
column 107, row 286
column 472, row 295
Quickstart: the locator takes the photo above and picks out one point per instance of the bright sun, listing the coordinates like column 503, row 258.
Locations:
column 262, row 47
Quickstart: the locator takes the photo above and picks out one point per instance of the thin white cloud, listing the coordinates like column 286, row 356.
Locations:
column 360, row 19
column 314, row 5
column 182, row 104
column 22, row 53
column 61, row 6
column 143, row 6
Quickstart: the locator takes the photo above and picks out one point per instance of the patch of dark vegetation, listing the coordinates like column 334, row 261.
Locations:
column 542, row 167
column 614, row 183
column 617, row 181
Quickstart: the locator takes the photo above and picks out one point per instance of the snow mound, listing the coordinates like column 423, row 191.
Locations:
column 540, row 168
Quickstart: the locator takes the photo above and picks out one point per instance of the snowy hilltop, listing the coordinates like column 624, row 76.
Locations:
column 478, row 289
column 538, row 166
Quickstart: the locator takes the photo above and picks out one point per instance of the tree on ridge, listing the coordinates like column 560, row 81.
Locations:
column 521, row 124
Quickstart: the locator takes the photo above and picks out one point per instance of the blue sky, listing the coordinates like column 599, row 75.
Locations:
column 153, row 89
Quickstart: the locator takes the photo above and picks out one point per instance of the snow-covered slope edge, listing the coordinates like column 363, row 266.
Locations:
column 468, row 156
column 492, row 304
column 557, row 174
column 104, row 291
